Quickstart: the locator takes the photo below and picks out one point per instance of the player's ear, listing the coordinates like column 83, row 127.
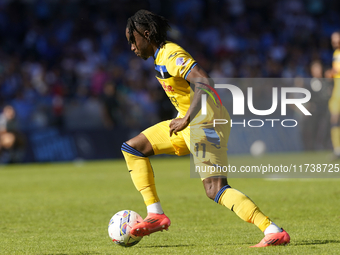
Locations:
column 147, row 35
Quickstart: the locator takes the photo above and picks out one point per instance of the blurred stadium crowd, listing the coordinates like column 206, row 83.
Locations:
column 67, row 63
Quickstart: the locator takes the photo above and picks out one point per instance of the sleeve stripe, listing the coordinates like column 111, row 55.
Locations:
column 192, row 66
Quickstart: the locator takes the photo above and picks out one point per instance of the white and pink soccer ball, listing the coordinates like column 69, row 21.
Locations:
column 120, row 226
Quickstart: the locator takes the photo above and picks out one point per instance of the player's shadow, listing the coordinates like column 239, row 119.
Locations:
column 165, row 246
column 314, row 242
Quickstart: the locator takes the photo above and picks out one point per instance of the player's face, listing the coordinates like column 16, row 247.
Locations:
column 139, row 44
column 335, row 40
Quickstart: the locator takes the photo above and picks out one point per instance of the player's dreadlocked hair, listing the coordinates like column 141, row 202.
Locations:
column 155, row 24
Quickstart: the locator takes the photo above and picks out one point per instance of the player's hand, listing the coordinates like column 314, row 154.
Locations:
column 177, row 125
column 329, row 73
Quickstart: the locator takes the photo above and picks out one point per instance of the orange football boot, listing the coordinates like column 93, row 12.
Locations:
column 281, row 238
column 152, row 223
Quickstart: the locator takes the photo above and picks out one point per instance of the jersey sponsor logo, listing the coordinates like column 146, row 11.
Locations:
column 167, row 88
column 172, row 55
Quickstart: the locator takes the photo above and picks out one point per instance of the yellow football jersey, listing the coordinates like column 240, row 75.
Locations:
column 207, row 143
column 336, row 63
column 172, row 66
column 336, row 67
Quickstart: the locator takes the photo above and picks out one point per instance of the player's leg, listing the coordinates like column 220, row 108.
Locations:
column 209, row 148
column 217, row 189
column 335, row 134
column 153, row 141
column 136, row 152
column 142, row 144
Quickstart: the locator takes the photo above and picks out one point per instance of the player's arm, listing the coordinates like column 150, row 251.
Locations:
column 335, row 70
column 329, row 73
column 196, row 74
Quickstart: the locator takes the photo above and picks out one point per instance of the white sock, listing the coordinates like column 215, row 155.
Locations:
column 272, row 228
column 155, row 208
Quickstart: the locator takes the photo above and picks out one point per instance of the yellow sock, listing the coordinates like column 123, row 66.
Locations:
column 243, row 206
column 141, row 173
column 335, row 137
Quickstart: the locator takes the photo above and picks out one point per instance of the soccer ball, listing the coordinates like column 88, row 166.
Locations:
column 120, row 226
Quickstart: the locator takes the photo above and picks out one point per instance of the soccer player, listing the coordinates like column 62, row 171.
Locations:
column 334, row 101
column 175, row 69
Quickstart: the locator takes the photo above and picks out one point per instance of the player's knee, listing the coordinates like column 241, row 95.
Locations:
column 130, row 146
column 213, row 185
column 141, row 144
column 127, row 150
column 131, row 143
column 211, row 193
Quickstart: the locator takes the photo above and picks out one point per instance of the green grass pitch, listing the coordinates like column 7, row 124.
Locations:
column 65, row 209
